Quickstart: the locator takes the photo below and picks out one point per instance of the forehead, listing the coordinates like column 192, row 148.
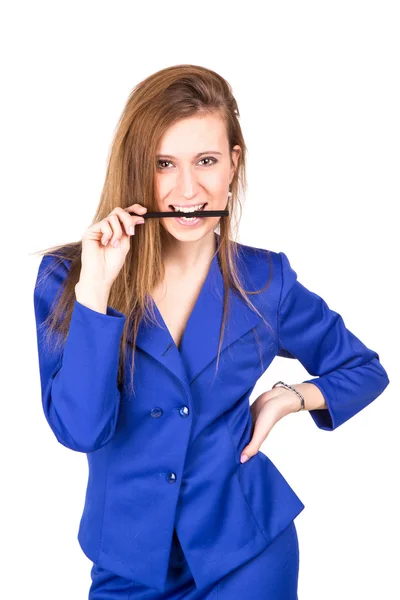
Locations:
column 194, row 134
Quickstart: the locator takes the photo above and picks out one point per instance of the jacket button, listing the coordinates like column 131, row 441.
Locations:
column 184, row 411
column 156, row 412
column 171, row 477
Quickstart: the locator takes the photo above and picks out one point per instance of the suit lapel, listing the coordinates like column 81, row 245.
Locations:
column 199, row 344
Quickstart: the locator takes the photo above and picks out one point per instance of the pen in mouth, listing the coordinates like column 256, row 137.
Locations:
column 181, row 213
column 188, row 215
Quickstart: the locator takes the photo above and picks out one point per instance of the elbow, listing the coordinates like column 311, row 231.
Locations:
column 347, row 392
column 82, row 432
column 381, row 377
column 79, row 440
column 84, row 446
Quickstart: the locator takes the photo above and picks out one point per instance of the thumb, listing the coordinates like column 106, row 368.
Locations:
column 249, row 451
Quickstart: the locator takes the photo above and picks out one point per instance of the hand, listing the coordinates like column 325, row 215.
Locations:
column 101, row 260
column 266, row 411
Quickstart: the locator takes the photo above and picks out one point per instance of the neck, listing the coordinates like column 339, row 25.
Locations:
column 183, row 257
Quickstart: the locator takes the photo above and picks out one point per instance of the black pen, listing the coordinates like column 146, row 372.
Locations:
column 180, row 213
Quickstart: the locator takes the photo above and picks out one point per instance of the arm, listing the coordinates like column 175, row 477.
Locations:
column 80, row 396
column 313, row 397
column 350, row 375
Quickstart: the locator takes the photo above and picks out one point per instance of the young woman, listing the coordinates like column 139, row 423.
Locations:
column 152, row 333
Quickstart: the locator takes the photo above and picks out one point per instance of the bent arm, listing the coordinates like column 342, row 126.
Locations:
column 350, row 375
column 80, row 395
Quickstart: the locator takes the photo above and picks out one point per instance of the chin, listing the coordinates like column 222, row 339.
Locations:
column 187, row 234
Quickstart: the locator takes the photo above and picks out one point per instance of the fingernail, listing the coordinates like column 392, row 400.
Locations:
column 131, row 230
column 243, row 458
column 141, row 221
column 116, row 243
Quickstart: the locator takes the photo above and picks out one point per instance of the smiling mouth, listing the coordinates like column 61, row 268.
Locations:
column 187, row 212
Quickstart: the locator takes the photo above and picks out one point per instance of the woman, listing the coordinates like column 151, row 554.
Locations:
column 181, row 503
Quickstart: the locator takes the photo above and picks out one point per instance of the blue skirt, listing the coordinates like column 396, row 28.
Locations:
column 271, row 575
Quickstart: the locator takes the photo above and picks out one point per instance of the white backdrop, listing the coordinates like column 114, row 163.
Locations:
column 317, row 85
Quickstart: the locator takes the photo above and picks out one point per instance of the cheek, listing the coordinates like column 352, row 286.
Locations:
column 160, row 186
column 216, row 184
column 219, row 193
column 216, row 181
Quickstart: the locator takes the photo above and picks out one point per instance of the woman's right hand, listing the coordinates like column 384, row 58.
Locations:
column 101, row 260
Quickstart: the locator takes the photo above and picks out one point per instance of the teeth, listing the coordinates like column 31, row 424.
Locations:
column 187, row 209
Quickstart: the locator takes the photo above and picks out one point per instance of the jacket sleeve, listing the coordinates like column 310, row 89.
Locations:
column 350, row 375
column 79, row 390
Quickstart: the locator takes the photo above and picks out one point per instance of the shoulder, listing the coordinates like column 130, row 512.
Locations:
column 52, row 271
column 53, row 262
column 260, row 263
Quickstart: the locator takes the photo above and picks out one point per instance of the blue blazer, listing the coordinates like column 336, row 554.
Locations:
column 169, row 456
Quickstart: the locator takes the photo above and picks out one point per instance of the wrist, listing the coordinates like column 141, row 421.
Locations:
column 293, row 400
column 314, row 399
column 92, row 296
column 84, row 286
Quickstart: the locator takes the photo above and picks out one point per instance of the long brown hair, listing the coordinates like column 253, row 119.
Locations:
column 157, row 102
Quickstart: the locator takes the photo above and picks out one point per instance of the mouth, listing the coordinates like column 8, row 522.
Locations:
column 187, row 209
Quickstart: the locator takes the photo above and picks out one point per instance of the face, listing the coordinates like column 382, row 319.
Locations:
column 193, row 167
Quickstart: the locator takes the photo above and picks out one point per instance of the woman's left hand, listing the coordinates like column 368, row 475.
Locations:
column 266, row 411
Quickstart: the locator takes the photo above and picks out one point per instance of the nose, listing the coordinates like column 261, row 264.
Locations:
column 187, row 184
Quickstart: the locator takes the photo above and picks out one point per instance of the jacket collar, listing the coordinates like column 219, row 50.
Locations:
column 199, row 344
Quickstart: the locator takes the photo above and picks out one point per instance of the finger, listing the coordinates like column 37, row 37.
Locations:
column 138, row 208
column 106, row 232
column 114, row 221
column 101, row 231
column 250, row 450
column 127, row 219
column 257, row 406
column 260, row 401
column 259, row 434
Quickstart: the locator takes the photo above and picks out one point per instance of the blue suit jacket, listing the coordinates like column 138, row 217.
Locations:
column 169, row 456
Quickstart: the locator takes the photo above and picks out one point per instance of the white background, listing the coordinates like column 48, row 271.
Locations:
column 317, row 85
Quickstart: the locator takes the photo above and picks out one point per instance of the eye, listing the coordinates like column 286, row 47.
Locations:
column 209, row 158
column 159, row 162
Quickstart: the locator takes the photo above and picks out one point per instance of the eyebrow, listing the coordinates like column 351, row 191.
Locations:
column 196, row 156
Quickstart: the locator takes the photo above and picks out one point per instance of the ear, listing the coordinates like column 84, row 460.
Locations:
column 234, row 158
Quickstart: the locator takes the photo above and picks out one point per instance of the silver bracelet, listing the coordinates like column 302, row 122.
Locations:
column 288, row 387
